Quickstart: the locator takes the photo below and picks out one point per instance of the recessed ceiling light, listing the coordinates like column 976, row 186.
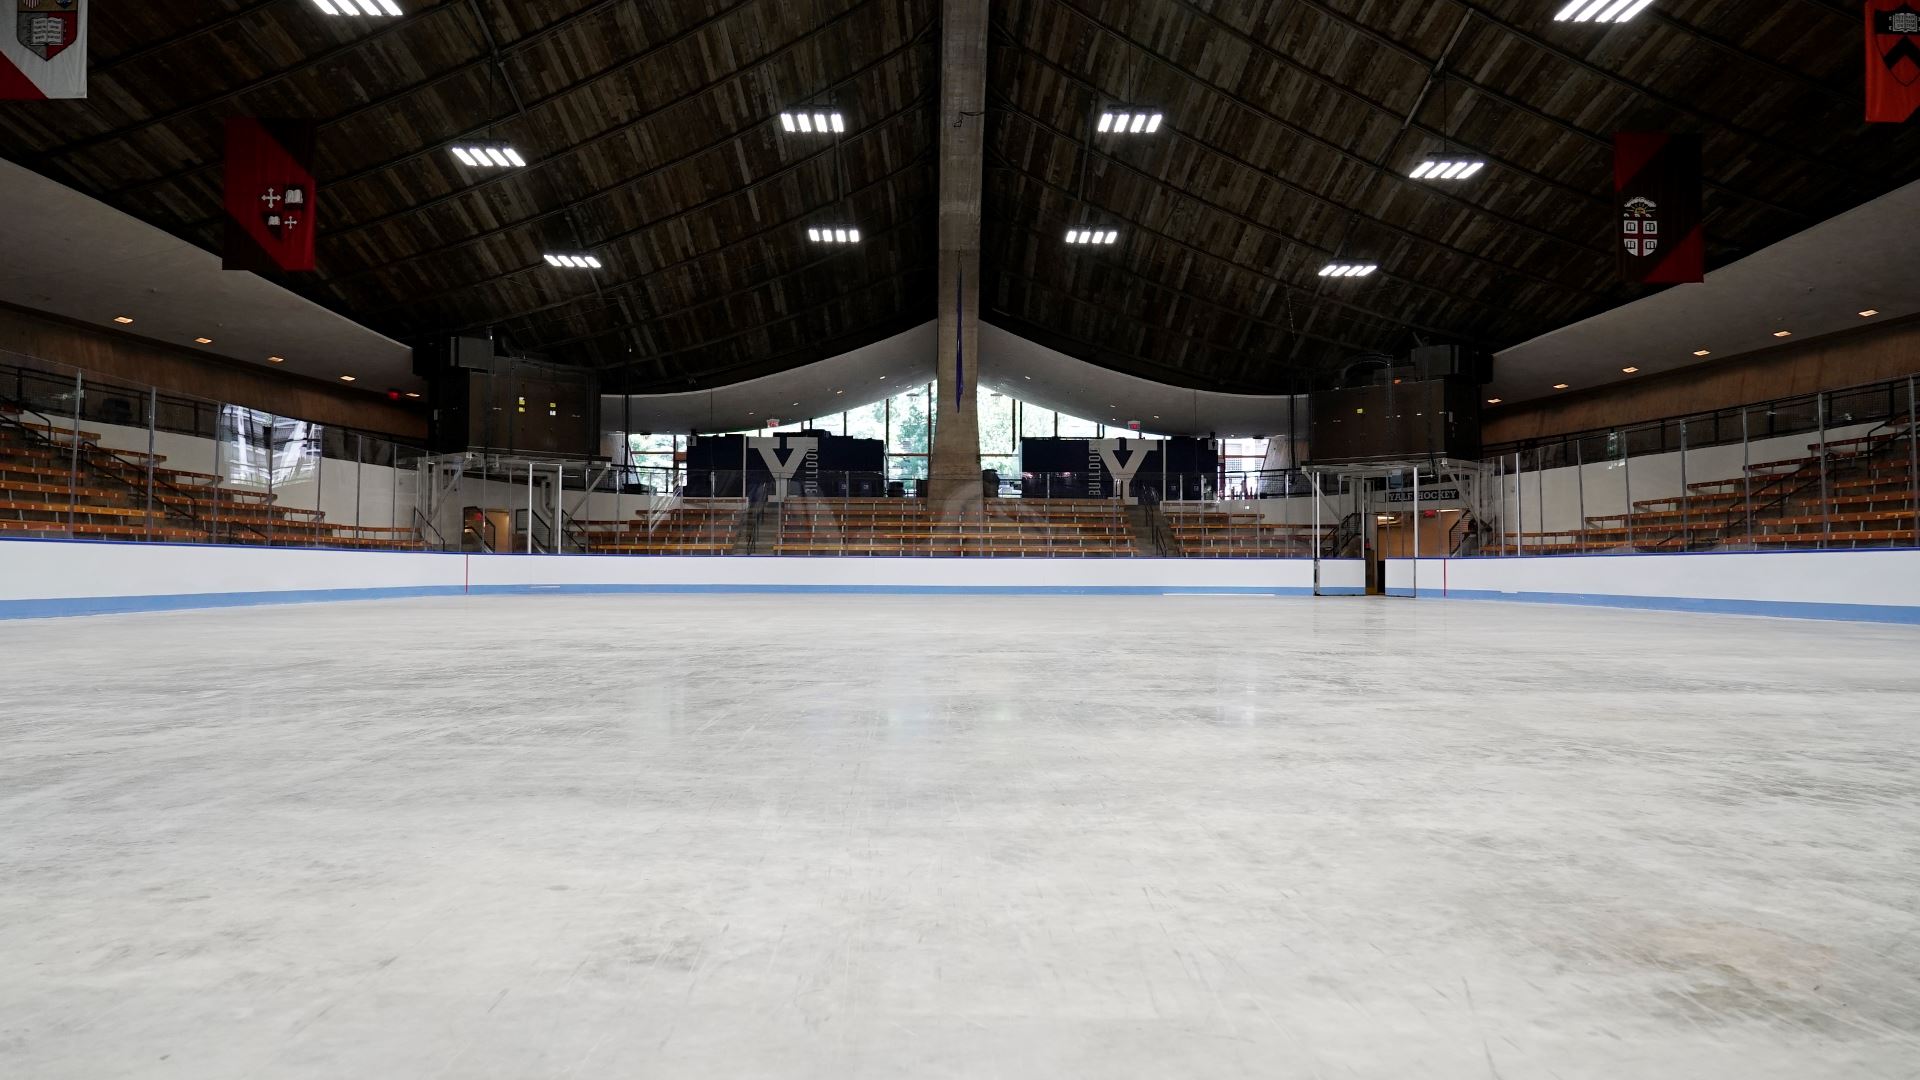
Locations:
column 1129, row 122
column 1029, row 378
column 1493, row 401
column 1703, row 352
column 356, row 8
column 1347, row 270
column 346, row 378
column 813, row 122
column 1559, row 386
column 1441, row 167
column 1629, row 370
column 839, row 391
column 1601, row 11
column 573, row 262
column 1783, row 333
column 1869, row 313
column 122, row 320
column 204, row 340
column 276, row 359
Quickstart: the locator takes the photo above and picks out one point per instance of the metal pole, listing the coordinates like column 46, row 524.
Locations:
column 1580, row 487
column 1416, row 530
column 359, row 466
column 1500, row 485
column 153, row 418
column 1746, row 475
column 1520, row 502
column 1826, row 510
column 1626, row 482
column 1315, row 477
column 529, row 543
column 1913, row 457
column 73, row 443
column 1686, row 497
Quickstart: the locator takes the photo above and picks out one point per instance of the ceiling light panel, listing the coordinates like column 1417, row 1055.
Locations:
column 1601, row 11
column 813, row 122
column 834, row 234
column 357, row 8
column 1095, row 237
column 567, row 261
column 1447, row 168
column 487, row 155
column 1129, row 122
column 1348, row 269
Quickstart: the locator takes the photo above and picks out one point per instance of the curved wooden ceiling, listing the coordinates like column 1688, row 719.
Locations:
column 1291, row 124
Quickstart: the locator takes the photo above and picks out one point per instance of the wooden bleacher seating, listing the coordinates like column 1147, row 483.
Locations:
column 1213, row 533
column 1009, row 528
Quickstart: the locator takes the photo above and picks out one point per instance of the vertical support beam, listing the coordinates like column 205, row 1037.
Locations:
column 953, row 458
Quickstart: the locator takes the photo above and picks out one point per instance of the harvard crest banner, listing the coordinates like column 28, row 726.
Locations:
column 1659, row 238
column 1893, row 60
column 269, row 195
column 43, row 49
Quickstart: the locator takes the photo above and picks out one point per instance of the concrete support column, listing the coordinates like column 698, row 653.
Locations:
column 953, row 459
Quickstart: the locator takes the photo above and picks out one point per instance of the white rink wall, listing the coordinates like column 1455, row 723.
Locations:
column 41, row 578
column 1877, row 586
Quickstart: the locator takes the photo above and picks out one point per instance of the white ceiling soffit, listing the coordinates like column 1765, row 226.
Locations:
column 829, row 386
column 1815, row 282
column 1046, row 377
column 69, row 254
column 1007, row 363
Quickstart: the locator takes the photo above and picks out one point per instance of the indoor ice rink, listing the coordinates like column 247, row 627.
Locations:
column 960, row 538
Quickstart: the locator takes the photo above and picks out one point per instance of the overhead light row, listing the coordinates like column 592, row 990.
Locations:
column 1130, row 123
column 1446, row 169
column 835, row 235
column 356, row 8
column 489, row 156
column 1601, row 11
column 813, row 123
column 1347, row 270
column 574, row 262
column 1092, row 236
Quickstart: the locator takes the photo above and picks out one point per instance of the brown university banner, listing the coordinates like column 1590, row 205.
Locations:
column 270, row 195
column 1893, row 60
column 1656, row 181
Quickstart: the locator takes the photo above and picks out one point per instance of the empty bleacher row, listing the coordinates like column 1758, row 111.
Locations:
column 692, row 527
column 61, row 483
column 1214, row 533
column 1859, row 493
column 1011, row 527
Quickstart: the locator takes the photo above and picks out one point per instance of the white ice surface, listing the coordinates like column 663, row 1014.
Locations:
column 889, row 837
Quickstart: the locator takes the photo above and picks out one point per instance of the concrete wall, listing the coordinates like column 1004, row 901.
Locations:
column 52, row 577
column 1877, row 586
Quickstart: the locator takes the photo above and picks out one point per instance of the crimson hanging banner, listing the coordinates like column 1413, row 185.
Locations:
column 44, row 54
column 1656, row 184
column 270, row 195
column 1893, row 60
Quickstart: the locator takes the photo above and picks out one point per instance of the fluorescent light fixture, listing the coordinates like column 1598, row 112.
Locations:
column 122, row 320
column 1703, row 352
column 1559, row 386
column 488, row 155
column 573, row 262
column 1601, row 11
column 276, row 359
column 836, row 234
column 1869, row 313
column 204, row 340
column 1783, row 333
column 1348, row 270
column 1129, row 122
column 412, row 394
column 1093, row 236
column 1493, row 401
column 1438, row 167
column 1629, row 370
column 813, row 123
column 346, row 378
column 326, row 7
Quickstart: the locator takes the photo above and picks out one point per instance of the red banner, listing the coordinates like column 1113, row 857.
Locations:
column 1660, row 238
column 270, row 195
column 1893, row 60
